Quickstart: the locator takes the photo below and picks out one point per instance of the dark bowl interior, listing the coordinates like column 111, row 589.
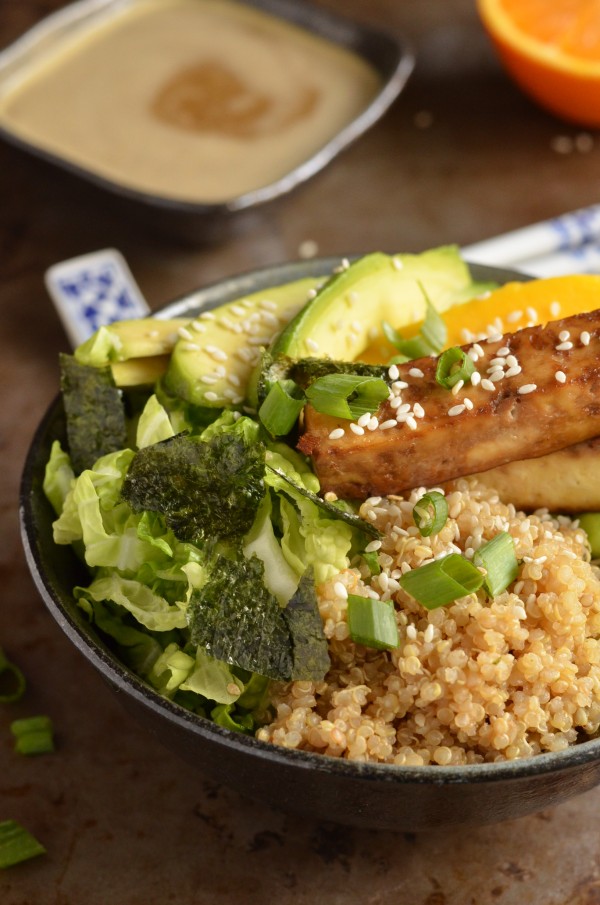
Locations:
column 367, row 795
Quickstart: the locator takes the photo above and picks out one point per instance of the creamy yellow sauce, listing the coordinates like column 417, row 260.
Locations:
column 200, row 100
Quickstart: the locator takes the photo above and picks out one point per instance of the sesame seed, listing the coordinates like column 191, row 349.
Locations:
column 312, row 345
column 554, row 309
column 487, row 384
column 468, row 404
column 411, row 423
column 267, row 305
column 393, row 372
column 396, row 403
column 231, row 394
column 475, row 378
column 416, row 372
column 207, row 316
column 527, row 388
column 364, row 419
column 511, row 361
column 374, row 423
column 356, row 429
column 495, row 337
column 397, row 263
column 219, row 371
column 411, row 632
column 373, row 546
column 532, row 314
column 210, row 396
column 337, row 433
column 209, row 379
column 245, row 354
column 564, row 335
column 269, row 319
column 512, row 372
column 561, row 377
column 503, row 351
column 497, row 362
column 216, row 353
column 340, row 590
column 456, row 410
column 184, row 333
column 514, row 316
column 399, row 385
column 233, row 379
column 418, row 410
column 373, row 501
column 585, row 338
column 457, row 387
column 190, row 347
column 386, row 425
column 237, row 310
column 467, row 335
column 564, row 347
column 473, row 355
column 198, row 327
column 428, row 634
column 259, row 340
column 478, row 349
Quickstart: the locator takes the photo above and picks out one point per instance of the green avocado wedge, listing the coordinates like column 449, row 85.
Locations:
column 346, row 314
column 210, row 366
column 137, row 351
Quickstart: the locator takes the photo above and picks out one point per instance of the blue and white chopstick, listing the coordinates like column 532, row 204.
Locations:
column 566, row 244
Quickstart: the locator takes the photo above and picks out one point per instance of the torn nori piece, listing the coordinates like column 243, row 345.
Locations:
column 310, row 651
column 202, row 487
column 237, row 619
column 332, row 510
column 95, row 412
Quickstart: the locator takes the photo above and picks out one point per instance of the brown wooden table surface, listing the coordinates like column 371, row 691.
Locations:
column 124, row 821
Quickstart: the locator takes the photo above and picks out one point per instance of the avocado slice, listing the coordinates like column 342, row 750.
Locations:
column 345, row 315
column 140, row 338
column 215, row 356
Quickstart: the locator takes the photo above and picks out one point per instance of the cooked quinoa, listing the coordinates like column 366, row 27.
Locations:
column 475, row 681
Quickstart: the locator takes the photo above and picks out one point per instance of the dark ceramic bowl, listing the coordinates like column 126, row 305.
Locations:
column 366, row 795
column 389, row 56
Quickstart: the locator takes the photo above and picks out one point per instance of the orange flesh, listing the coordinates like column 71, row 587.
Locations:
column 538, row 301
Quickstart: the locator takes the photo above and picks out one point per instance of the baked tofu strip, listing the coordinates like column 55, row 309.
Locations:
column 520, row 409
column 563, row 481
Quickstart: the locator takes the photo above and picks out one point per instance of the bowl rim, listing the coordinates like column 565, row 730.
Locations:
column 125, row 680
column 357, row 37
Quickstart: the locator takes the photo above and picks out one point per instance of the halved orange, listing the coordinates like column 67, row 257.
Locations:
column 552, row 50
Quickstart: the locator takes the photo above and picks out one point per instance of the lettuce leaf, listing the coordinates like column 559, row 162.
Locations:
column 58, row 477
column 153, row 425
column 149, row 609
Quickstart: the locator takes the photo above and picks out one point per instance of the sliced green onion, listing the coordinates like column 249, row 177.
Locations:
column 372, row 561
column 12, row 681
column 431, row 339
column 17, row 844
column 33, row 735
column 222, row 716
column 443, row 581
column 499, row 560
column 281, row 407
column 430, row 514
column 372, row 622
column 590, row 523
column 347, row 395
column 453, row 365
column 433, row 330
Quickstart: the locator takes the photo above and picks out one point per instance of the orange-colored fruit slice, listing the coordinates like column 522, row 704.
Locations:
column 552, row 50
column 509, row 308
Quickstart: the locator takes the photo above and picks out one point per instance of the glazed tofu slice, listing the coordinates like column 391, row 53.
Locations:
column 533, row 392
column 563, row 481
